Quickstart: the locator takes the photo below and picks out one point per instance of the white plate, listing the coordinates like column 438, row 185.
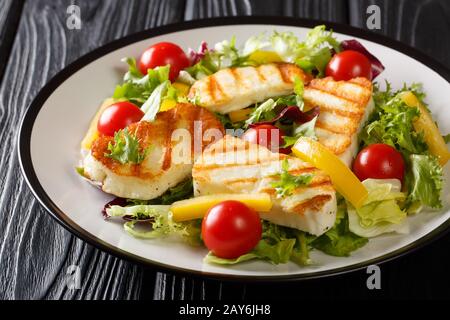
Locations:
column 59, row 116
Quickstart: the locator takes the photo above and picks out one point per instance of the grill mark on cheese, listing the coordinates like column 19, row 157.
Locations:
column 285, row 72
column 316, row 203
column 343, row 105
column 260, row 74
column 158, row 132
column 257, row 161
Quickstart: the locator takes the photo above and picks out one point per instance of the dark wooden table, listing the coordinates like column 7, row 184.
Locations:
column 35, row 251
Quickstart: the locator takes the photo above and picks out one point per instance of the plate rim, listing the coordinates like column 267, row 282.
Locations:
column 29, row 117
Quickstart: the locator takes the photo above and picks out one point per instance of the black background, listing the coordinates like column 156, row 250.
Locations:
column 35, row 251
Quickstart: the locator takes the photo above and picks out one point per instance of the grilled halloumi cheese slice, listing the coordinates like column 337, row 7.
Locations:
column 344, row 109
column 232, row 165
column 233, row 89
column 169, row 158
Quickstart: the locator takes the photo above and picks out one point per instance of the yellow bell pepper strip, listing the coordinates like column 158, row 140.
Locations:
column 262, row 57
column 240, row 115
column 424, row 123
column 182, row 88
column 196, row 208
column 167, row 104
column 344, row 180
column 92, row 132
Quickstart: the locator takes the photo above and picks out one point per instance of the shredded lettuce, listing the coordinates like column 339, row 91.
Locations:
column 381, row 212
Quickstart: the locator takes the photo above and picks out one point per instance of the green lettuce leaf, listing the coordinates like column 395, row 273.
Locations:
column 304, row 130
column 125, row 148
column 313, row 54
column 339, row 241
column 158, row 223
column 277, row 245
column 262, row 112
column 287, row 183
column 392, row 123
column 381, row 212
column 424, row 181
column 136, row 87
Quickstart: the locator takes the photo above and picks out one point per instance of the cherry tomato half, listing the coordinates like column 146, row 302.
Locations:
column 161, row 54
column 379, row 161
column 266, row 135
column 117, row 116
column 231, row 229
column 349, row 64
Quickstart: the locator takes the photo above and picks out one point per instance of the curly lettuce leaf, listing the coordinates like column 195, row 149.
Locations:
column 137, row 87
column 392, row 123
column 155, row 221
column 424, row 181
column 125, row 148
column 287, row 183
column 313, row 54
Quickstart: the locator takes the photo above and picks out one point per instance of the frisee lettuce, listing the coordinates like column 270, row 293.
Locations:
column 313, row 54
column 392, row 123
column 424, row 181
column 125, row 148
column 158, row 223
column 287, row 183
column 137, row 87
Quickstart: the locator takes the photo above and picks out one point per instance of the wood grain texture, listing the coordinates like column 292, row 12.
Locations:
column 423, row 24
column 35, row 251
column 10, row 11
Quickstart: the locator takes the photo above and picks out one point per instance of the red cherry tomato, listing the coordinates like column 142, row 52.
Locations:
column 349, row 64
column 117, row 116
column 161, row 54
column 266, row 135
column 379, row 161
column 231, row 229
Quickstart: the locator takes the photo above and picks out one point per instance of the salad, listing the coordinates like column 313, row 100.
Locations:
column 265, row 151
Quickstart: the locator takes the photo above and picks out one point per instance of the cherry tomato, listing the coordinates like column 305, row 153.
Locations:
column 117, row 116
column 349, row 64
column 231, row 229
column 161, row 54
column 379, row 161
column 266, row 135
